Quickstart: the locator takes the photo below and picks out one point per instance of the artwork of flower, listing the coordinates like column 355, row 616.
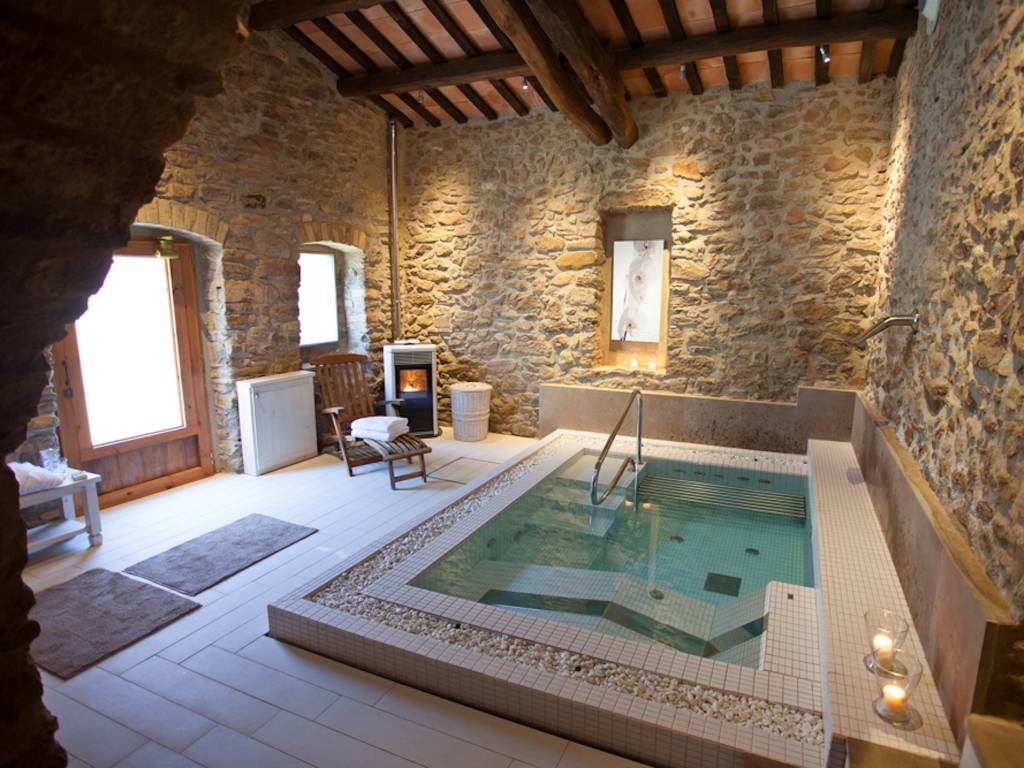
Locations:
column 636, row 290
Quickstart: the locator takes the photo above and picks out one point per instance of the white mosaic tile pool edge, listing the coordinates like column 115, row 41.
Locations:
column 850, row 582
column 290, row 619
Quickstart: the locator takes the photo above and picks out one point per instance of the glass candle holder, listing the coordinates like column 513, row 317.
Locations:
column 897, row 674
column 886, row 632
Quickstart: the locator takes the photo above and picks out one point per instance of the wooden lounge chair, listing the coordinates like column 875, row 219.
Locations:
column 346, row 397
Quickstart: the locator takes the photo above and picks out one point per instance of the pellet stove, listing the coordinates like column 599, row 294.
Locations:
column 410, row 374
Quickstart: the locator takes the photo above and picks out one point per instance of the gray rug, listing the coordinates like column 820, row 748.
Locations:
column 88, row 618
column 206, row 560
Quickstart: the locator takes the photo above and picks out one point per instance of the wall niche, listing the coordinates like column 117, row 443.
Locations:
column 632, row 326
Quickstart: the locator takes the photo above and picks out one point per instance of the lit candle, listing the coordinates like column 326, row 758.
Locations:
column 895, row 697
column 634, row 363
column 651, row 365
column 882, row 644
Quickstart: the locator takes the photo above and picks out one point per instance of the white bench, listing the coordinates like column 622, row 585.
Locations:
column 53, row 533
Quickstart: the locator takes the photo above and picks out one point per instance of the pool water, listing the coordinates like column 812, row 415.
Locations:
column 679, row 556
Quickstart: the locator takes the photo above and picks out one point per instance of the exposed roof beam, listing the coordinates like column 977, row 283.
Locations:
column 366, row 27
column 440, row 12
column 526, row 34
column 625, row 19
column 865, row 71
column 823, row 9
column 896, row 23
column 722, row 24
column 899, row 23
column 506, row 45
column 430, row 51
column 322, row 56
column 770, row 10
column 675, row 29
column 276, row 14
column 896, row 57
column 572, row 34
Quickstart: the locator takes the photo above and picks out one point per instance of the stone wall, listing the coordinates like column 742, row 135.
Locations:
column 40, row 435
column 90, row 104
column 775, row 197
column 953, row 248
column 277, row 160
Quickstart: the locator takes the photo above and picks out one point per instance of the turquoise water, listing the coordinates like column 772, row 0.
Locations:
column 685, row 538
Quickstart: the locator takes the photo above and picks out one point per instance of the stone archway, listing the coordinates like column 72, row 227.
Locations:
column 74, row 177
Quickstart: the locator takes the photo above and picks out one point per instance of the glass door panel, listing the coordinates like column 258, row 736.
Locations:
column 128, row 351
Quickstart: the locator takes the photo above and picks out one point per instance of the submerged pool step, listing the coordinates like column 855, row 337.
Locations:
column 712, row 495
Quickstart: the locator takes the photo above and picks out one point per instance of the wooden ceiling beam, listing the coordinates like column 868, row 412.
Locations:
column 889, row 24
column 670, row 13
column 723, row 25
column 894, row 23
column 506, row 45
column 866, row 68
column 572, row 34
column 823, row 10
column 526, row 34
column 340, row 72
column 398, row 58
column 770, row 9
column 277, row 14
column 438, row 10
column 625, row 19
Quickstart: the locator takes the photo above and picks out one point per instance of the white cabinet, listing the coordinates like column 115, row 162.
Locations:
column 277, row 420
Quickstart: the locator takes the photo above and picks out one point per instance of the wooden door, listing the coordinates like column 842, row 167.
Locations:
column 149, row 427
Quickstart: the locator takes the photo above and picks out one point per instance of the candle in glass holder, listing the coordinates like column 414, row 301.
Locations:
column 886, row 630
column 895, row 697
column 634, row 363
column 651, row 365
column 883, row 645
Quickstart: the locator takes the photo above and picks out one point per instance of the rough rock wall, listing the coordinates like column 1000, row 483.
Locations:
column 71, row 180
column 776, row 202
column 953, row 248
column 277, row 159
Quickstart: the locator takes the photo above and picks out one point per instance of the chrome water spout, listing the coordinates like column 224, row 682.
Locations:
column 889, row 322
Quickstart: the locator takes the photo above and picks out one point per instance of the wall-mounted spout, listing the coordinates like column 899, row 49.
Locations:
column 888, row 322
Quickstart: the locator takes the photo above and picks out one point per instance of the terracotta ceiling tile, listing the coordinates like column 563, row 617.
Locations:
column 492, row 97
column 648, row 19
column 601, row 17
column 797, row 9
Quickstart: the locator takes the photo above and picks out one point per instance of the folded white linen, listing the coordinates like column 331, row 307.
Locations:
column 380, row 437
column 386, row 428
column 32, row 478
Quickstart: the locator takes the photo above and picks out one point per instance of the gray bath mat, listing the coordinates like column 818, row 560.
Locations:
column 206, row 560
column 88, row 618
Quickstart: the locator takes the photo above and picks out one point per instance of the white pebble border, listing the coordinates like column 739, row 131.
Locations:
column 345, row 593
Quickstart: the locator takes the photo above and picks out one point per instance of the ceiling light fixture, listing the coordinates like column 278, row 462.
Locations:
column 525, row 84
column 682, row 71
column 421, row 97
column 823, row 50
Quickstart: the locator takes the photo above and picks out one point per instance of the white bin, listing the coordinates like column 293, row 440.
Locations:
column 471, row 409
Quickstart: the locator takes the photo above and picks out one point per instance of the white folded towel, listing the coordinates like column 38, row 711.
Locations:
column 383, row 428
column 32, row 478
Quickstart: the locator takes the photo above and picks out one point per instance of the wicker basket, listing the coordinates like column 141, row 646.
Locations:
column 471, row 410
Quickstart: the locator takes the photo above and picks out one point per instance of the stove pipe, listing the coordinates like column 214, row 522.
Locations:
column 396, row 323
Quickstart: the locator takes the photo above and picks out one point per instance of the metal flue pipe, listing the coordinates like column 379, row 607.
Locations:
column 396, row 321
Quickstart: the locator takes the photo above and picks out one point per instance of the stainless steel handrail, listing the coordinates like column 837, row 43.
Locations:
column 888, row 322
column 629, row 460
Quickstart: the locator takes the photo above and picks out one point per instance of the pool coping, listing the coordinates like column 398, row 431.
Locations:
column 642, row 728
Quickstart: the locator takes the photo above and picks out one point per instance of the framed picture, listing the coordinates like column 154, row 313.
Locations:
column 636, row 290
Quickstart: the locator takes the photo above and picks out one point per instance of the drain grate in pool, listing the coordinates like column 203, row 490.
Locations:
column 722, row 584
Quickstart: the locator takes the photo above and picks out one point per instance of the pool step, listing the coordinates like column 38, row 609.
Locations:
column 712, row 495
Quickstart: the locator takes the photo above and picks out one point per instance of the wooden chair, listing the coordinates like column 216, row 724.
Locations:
column 346, row 397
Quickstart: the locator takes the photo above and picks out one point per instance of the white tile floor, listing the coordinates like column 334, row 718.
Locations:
column 212, row 690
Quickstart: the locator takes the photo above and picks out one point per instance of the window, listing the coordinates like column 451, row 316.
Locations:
column 128, row 348
column 318, row 299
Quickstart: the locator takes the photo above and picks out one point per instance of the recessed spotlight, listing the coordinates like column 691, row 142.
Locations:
column 823, row 50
